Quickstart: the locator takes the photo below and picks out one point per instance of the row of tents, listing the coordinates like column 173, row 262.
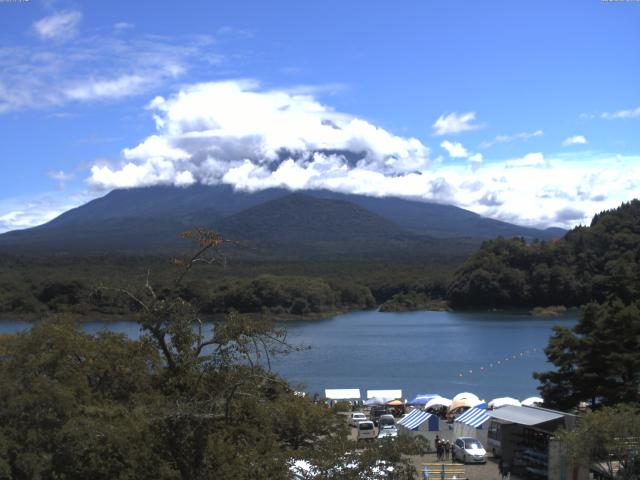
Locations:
column 469, row 400
column 427, row 401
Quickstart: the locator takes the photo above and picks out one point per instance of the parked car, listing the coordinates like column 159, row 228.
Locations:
column 388, row 432
column 386, row 420
column 469, row 450
column 357, row 417
column 376, row 412
column 366, row 430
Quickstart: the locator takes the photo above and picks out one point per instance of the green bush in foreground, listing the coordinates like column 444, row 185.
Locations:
column 184, row 401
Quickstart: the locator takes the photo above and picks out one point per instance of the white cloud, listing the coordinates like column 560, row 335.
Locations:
column 455, row 123
column 529, row 160
column 122, row 86
column 634, row 113
column 20, row 213
column 96, row 68
column 59, row 26
column 575, row 140
column 226, row 131
column 61, row 177
column 510, row 138
column 250, row 138
column 455, row 149
column 122, row 26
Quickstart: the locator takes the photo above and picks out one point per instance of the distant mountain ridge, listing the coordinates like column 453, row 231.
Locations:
column 274, row 221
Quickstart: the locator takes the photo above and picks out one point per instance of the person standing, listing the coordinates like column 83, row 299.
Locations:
column 503, row 470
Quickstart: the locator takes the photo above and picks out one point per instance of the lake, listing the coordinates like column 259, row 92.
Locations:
column 489, row 354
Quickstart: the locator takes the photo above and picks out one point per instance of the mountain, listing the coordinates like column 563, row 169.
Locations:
column 269, row 222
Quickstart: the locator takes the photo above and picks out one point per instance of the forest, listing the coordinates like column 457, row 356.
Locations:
column 32, row 286
column 593, row 263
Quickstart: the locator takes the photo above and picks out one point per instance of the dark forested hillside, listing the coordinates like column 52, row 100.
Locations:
column 589, row 264
column 148, row 220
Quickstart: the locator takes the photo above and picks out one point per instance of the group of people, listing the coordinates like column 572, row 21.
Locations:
column 444, row 449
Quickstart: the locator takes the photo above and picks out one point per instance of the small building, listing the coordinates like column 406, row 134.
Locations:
column 523, row 437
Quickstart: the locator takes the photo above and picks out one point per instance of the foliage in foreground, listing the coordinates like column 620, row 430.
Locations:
column 184, row 401
column 609, row 437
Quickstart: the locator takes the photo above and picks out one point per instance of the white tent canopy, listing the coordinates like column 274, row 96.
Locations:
column 390, row 394
column 342, row 393
column 438, row 402
column 378, row 400
column 528, row 402
column 503, row 401
column 467, row 396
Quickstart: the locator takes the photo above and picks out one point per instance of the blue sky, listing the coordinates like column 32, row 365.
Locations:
column 523, row 111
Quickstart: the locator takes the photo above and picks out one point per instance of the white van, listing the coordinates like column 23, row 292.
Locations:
column 366, row 430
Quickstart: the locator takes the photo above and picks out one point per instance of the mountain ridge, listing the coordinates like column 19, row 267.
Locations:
column 148, row 220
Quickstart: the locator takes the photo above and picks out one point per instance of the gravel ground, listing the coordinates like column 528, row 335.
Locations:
column 487, row 471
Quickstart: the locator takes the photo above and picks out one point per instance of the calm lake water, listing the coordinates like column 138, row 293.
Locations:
column 489, row 354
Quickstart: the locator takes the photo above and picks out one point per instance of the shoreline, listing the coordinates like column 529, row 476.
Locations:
column 435, row 306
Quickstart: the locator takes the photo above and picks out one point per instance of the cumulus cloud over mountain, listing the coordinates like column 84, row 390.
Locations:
column 238, row 133
column 234, row 132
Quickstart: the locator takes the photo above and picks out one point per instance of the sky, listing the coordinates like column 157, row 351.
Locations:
column 527, row 111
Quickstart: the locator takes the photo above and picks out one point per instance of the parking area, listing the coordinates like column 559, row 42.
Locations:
column 486, row 471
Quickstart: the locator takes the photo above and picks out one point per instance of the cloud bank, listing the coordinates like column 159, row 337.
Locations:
column 236, row 132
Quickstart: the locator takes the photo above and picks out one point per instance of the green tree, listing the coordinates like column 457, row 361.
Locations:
column 609, row 437
column 186, row 401
column 598, row 360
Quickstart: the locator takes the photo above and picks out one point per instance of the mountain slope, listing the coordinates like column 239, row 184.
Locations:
column 299, row 225
column 438, row 220
column 147, row 220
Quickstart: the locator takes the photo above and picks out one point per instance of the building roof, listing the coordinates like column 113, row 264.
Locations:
column 473, row 417
column 525, row 415
column 414, row 419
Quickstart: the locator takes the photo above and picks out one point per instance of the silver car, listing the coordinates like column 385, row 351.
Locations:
column 469, row 450
column 388, row 432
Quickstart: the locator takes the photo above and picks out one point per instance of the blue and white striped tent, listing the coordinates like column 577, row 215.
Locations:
column 474, row 417
column 417, row 418
column 470, row 424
